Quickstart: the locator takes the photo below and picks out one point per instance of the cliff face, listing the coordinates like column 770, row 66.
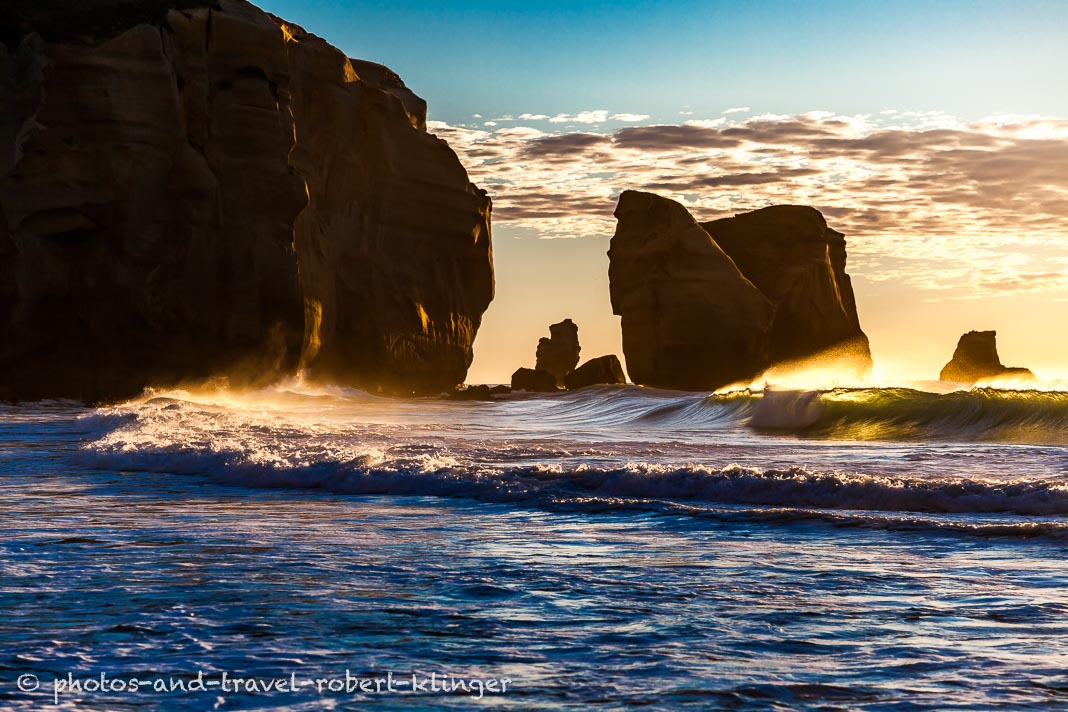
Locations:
column 691, row 320
column 784, row 254
column 196, row 190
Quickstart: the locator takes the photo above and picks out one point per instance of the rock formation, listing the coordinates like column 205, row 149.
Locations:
column 690, row 318
column 976, row 358
column 559, row 354
column 796, row 261
column 597, row 371
column 191, row 188
column 531, row 379
column 704, row 306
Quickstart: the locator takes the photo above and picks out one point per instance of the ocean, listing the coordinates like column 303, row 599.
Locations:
column 846, row 549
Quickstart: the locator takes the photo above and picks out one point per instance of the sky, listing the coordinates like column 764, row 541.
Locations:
column 934, row 134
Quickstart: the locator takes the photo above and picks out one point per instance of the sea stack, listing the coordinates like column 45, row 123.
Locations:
column 707, row 305
column 559, row 354
column 196, row 188
column 976, row 358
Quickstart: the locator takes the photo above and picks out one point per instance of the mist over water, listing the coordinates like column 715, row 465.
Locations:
column 849, row 548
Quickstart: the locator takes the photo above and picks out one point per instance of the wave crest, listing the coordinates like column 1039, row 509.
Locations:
column 981, row 414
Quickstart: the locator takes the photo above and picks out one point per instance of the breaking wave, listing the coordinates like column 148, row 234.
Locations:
column 588, row 487
column 486, row 456
column 981, row 414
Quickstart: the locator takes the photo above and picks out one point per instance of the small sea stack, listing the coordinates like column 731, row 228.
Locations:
column 559, row 354
column 976, row 359
column 557, row 357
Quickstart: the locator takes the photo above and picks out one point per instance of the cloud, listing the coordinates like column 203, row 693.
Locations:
column 978, row 207
column 566, row 145
column 669, row 139
column 584, row 117
column 738, row 110
column 598, row 116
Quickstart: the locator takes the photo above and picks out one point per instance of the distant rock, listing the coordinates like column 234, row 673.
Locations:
column 597, row 371
column 191, row 188
column 976, row 358
column 559, row 354
column 501, row 390
column 531, row 379
column 707, row 305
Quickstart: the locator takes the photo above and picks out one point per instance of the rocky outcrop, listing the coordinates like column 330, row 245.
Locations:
column 557, row 357
column 707, row 305
column 193, row 188
column 603, row 370
column 690, row 318
column 976, row 359
column 559, row 354
column 531, row 379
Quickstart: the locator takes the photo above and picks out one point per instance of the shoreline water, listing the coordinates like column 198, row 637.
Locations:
column 595, row 547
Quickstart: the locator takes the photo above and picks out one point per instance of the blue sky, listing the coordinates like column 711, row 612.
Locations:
column 970, row 59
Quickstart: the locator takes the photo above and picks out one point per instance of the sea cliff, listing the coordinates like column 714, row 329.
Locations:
column 195, row 189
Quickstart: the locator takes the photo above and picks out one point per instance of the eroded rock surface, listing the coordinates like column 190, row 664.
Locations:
column 798, row 263
column 190, row 189
column 691, row 320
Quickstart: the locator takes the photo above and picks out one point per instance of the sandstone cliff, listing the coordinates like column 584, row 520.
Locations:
column 193, row 188
column 976, row 358
column 707, row 305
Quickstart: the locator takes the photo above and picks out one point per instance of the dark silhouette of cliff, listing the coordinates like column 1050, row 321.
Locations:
column 190, row 189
